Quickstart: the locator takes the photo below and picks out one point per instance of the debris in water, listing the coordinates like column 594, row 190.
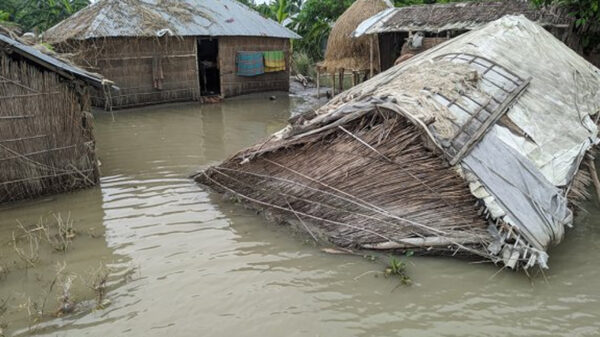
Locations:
column 420, row 157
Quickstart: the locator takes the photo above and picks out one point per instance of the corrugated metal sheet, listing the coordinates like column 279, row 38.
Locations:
column 129, row 18
column 437, row 18
column 373, row 22
column 48, row 61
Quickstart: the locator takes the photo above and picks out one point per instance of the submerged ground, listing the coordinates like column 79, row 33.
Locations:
column 185, row 263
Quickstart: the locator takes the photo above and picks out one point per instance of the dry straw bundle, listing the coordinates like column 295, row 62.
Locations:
column 344, row 52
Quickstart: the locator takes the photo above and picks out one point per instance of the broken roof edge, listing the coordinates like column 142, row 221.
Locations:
column 379, row 23
column 51, row 63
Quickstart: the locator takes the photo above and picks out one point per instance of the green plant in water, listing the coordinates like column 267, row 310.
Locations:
column 397, row 269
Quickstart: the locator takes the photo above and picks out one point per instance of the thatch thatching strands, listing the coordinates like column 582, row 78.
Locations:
column 346, row 53
column 128, row 61
column 399, row 208
column 46, row 140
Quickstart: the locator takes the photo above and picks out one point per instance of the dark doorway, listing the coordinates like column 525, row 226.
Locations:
column 390, row 47
column 208, row 67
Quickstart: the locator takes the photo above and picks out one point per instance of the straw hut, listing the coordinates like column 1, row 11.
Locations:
column 46, row 132
column 344, row 54
column 160, row 51
column 413, row 29
column 474, row 147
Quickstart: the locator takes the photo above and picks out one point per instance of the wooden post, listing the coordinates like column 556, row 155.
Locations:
column 371, row 56
column 333, row 84
column 353, row 78
column 341, row 74
column 198, row 85
column 318, row 83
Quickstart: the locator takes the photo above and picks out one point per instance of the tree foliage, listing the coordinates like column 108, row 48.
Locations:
column 39, row 14
column 584, row 11
column 278, row 10
column 314, row 23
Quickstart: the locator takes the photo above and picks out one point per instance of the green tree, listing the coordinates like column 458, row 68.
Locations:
column 285, row 8
column 39, row 14
column 4, row 16
column 314, row 22
column 585, row 36
column 584, row 11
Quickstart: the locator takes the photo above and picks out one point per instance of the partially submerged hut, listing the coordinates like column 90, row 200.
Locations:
column 46, row 129
column 160, row 51
column 476, row 146
column 413, row 29
column 344, row 54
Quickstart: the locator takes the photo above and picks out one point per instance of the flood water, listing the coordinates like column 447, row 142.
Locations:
column 185, row 263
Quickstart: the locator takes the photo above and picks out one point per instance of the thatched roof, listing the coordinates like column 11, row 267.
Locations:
column 48, row 60
column 473, row 146
column 343, row 51
column 459, row 15
column 139, row 18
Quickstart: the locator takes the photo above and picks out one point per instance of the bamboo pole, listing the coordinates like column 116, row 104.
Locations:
column 372, row 70
column 333, row 84
column 318, row 83
column 594, row 174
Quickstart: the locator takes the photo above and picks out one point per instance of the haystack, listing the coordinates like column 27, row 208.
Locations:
column 474, row 147
column 346, row 53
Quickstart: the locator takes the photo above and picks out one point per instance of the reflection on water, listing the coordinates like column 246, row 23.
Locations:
column 207, row 267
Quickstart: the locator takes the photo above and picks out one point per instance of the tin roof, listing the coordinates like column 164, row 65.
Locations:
column 47, row 61
column 460, row 15
column 134, row 18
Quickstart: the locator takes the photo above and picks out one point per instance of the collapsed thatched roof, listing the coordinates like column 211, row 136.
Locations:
column 508, row 109
column 459, row 15
column 139, row 18
column 342, row 51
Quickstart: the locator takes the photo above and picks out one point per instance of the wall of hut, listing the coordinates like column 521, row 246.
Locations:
column 46, row 133
column 233, row 85
column 147, row 70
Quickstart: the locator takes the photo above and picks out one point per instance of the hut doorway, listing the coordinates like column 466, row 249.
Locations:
column 390, row 47
column 208, row 67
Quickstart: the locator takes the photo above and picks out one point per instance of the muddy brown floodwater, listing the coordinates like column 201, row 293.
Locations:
column 185, row 263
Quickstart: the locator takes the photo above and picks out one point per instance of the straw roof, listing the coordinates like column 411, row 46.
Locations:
column 139, row 18
column 342, row 51
column 47, row 59
column 472, row 147
column 460, row 16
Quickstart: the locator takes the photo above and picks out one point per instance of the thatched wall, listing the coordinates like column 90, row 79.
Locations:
column 345, row 52
column 233, row 85
column 46, row 140
column 129, row 63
